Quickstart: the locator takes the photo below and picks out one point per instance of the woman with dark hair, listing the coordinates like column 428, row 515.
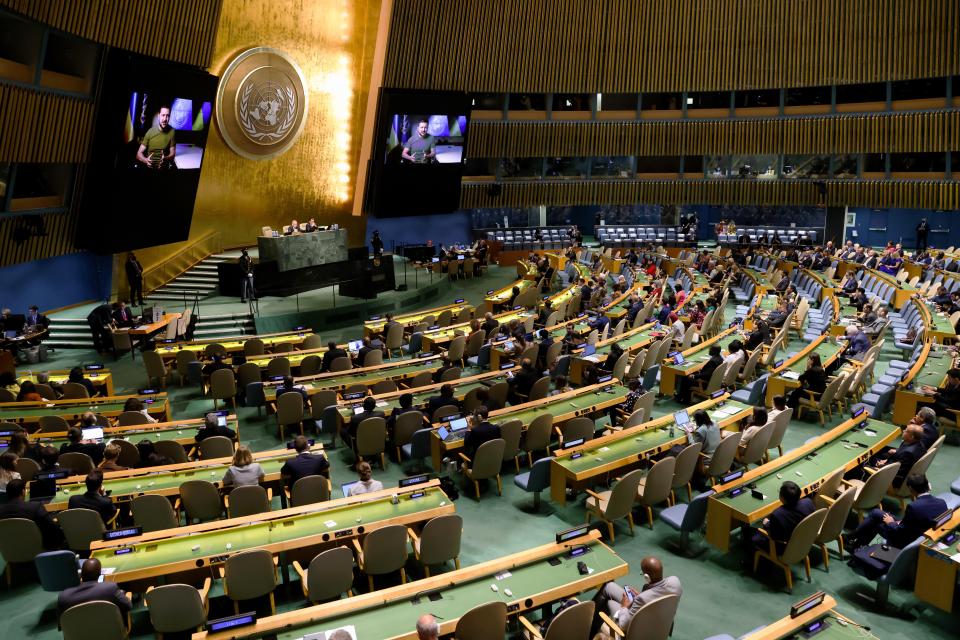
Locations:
column 813, row 379
column 28, row 392
column 76, row 376
column 705, row 432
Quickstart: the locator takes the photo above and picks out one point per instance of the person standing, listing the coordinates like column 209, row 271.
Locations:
column 922, row 230
column 134, row 278
column 377, row 243
column 246, row 271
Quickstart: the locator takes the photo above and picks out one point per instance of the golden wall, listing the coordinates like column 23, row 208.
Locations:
column 332, row 41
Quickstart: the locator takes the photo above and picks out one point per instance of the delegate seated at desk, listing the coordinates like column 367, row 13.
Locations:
column 780, row 524
column 304, row 463
column 947, row 398
column 293, row 229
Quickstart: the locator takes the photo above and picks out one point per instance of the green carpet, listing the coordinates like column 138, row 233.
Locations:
column 720, row 596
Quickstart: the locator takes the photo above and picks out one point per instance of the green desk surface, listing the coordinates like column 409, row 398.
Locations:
column 128, row 486
column 640, row 337
column 940, row 322
column 394, row 618
column 827, row 350
column 412, row 367
column 257, row 534
column 440, row 335
column 635, row 443
column 758, row 277
column 832, row 631
column 73, row 409
column 168, row 350
column 699, row 355
column 138, row 435
column 830, row 457
column 576, row 404
column 420, row 399
column 768, row 303
column 502, row 295
column 934, row 369
column 951, row 551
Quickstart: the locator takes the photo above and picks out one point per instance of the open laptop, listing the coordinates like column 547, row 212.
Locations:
column 682, row 418
column 589, row 350
column 96, row 433
column 354, row 345
column 678, row 358
column 346, row 486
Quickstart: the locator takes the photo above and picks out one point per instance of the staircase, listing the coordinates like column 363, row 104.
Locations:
column 69, row 333
column 200, row 281
column 223, row 325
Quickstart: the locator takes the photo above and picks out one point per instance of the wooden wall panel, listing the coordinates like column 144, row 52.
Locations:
column 59, row 238
column 49, row 127
column 179, row 30
column 933, row 131
column 923, row 194
column 588, row 46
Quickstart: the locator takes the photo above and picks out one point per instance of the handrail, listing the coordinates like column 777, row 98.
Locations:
column 182, row 261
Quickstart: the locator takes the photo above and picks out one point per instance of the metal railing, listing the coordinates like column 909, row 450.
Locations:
column 182, row 261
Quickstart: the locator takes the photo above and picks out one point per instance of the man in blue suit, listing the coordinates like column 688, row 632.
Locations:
column 785, row 518
column 918, row 517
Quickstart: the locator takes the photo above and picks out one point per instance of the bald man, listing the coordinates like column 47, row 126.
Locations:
column 622, row 603
column 909, row 451
column 91, row 589
column 427, row 628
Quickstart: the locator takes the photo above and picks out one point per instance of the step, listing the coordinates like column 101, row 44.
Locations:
column 201, row 276
column 225, row 316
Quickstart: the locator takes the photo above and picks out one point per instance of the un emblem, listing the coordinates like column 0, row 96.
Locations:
column 261, row 103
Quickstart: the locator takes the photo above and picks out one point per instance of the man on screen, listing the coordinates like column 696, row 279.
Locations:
column 421, row 148
column 158, row 147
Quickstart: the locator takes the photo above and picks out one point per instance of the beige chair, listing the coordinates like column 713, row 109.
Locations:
column 329, row 575
column 498, row 393
column 27, row 468
column 310, row 490
column 756, row 449
column 248, row 575
column 485, row 464
column 247, row 500
column 53, row 424
column 223, row 386
column 178, row 608
column 313, row 341
column 832, row 528
column 216, row 447
column 46, row 392
column 278, row 366
column 483, row 622
column 824, row 405
column 655, row 487
column 156, row 370
column 131, row 418
column 372, row 440
column 342, row 363
column 511, row 431
column 247, row 373
column 797, row 549
column 723, row 456
column 451, row 374
column 870, row 492
column 750, row 368
column 684, row 469
column 610, row 506
column 79, row 464
column 214, row 349
column 537, row 436
column 653, row 621
column 920, row 467
column 81, row 527
column 539, row 389
column 422, row 379
column 171, row 449
column 20, row 542
column 394, row 339
column 254, row 347
column 152, row 512
column 782, row 421
column 438, row 542
column 383, row 551
column 404, row 427
column 200, row 501
column 95, row 620
column 74, row 391
column 576, row 429
column 830, row 488
column 713, row 384
column 310, row 365
column 573, row 623
column 289, row 412
column 620, row 366
column 456, row 349
column 122, row 342
column 373, row 358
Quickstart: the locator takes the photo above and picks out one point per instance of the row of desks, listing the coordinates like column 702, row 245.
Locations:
column 102, row 379
column 28, row 414
column 778, row 385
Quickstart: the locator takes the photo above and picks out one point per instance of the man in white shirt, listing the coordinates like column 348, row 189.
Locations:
column 735, row 353
column 622, row 603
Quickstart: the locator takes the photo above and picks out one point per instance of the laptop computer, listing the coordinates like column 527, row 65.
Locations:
column 458, row 425
column 346, row 486
column 96, row 433
column 354, row 345
column 678, row 358
column 589, row 350
column 682, row 418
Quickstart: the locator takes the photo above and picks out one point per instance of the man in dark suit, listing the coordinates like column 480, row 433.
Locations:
column 288, row 386
column 94, row 499
column 785, row 518
column 122, row 317
column 333, row 352
column 445, row 398
column 927, row 419
column 522, row 382
column 304, row 463
column 546, row 340
column 946, row 397
column 909, row 451
column 17, row 507
column 490, row 324
column 685, row 383
column 134, row 278
column 76, row 444
column 759, row 335
column 36, row 319
column 919, row 516
column 349, row 431
column 406, row 406
column 365, row 348
column 212, row 427
column 480, row 431
column 90, row 589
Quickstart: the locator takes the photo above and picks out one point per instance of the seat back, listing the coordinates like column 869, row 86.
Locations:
column 216, row 447
column 201, row 500
column 28, row 468
column 249, row 574
column 920, row 468
column 659, row 479
column 538, row 433
column 453, row 373
column 405, row 426
column 456, row 348
column 696, row 513
column 620, row 366
column 385, row 550
column 803, row 537
column 79, row 464
column 309, row 490
column 330, row 574
column 716, row 378
column 96, row 620
column 253, row 347
column 781, row 421
column 153, row 364
column 751, row 366
column 57, row 570
column 486, row 463
column 654, row 620
column 171, row 449
column 623, row 495
column 836, row 516
column 53, row 424
column 539, row 389
column 223, row 386
column 539, row 478
column 394, row 337
column 371, row 437
column 573, row 623
column 474, row 344
column 279, row 366
column 876, row 486
column 310, row 365
column 686, row 465
column 577, row 428
column 511, row 431
column 499, row 391
column 313, row 341
column 248, row 500
column 74, row 390
column 904, row 566
column 175, row 608
column 81, row 527
column 723, row 455
column 20, row 540
column 131, row 418
column 342, row 363
column 152, row 512
column 483, row 622
column 757, row 447
column 289, row 408
column 422, row 379
column 440, row 539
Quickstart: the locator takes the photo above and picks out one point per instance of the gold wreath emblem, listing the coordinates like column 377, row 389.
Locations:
column 250, row 128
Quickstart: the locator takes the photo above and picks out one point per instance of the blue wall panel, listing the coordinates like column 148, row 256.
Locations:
column 448, row 228
column 876, row 226
column 56, row 282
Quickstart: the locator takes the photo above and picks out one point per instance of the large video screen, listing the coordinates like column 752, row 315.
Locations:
column 150, row 133
column 420, row 151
